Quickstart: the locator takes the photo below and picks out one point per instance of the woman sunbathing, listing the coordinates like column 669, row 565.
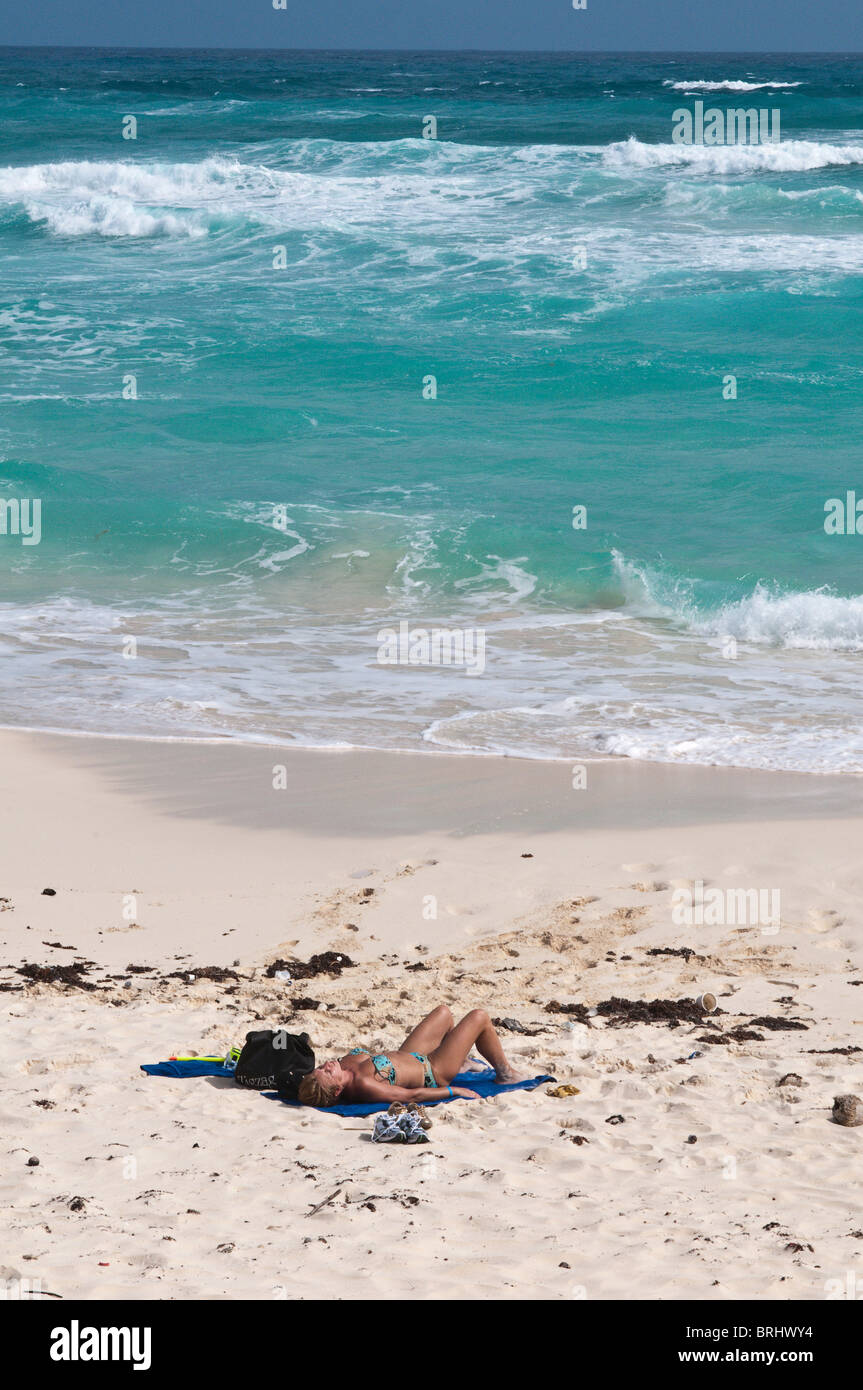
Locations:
column 421, row 1069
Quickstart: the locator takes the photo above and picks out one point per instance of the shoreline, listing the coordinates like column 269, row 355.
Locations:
column 422, row 749
column 619, row 793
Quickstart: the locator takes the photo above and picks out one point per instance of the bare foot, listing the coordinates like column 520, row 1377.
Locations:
column 507, row 1076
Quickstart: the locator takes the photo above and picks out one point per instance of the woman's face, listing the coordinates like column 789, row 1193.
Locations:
column 333, row 1075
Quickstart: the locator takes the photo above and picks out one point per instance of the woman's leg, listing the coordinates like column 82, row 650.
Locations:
column 476, row 1030
column 431, row 1032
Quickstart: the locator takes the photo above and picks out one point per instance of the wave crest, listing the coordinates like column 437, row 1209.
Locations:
column 728, row 86
column 114, row 198
column 788, row 156
column 805, row 620
column 814, row 620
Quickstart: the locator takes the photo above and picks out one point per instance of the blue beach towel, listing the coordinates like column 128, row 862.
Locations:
column 482, row 1082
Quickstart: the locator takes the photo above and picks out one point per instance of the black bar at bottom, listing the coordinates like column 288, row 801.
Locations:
column 79, row 1339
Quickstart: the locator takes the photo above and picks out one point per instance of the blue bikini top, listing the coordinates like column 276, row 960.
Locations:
column 381, row 1063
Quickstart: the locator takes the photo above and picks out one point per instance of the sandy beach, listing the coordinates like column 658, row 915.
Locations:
column 693, row 1162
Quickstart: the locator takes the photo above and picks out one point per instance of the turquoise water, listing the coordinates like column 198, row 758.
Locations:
column 578, row 286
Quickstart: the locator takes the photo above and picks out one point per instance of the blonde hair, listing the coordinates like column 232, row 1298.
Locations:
column 312, row 1091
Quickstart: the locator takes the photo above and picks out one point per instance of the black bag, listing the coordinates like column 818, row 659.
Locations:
column 274, row 1061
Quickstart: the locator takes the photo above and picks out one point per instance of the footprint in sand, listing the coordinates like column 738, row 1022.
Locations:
column 649, row 885
column 625, row 914
column 825, row 919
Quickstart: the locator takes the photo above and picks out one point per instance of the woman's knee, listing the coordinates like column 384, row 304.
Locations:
column 444, row 1013
column 480, row 1017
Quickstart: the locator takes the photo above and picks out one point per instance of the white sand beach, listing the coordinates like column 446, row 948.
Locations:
column 504, row 887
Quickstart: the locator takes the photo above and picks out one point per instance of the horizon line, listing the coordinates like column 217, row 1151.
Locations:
column 572, row 52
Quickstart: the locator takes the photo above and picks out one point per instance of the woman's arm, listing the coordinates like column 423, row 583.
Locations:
column 435, row 1093
column 365, row 1091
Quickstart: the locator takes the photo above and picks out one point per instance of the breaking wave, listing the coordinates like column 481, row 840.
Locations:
column 788, row 156
column 807, row 620
column 726, row 86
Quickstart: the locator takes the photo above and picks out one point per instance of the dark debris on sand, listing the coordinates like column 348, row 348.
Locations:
column 512, row 1025
column 578, row 1011
column 622, row 1011
column 686, row 952
column 780, row 1025
column 738, row 1034
column 327, row 963
column 72, row 975
column 673, row 1012
column 670, row 1011
column 203, row 972
column 745, row 1032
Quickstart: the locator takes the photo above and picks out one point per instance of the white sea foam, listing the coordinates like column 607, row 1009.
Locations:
column 788, row 156
column 697, row 736
column 812, row 621
column 408, row 193
column 729, row 86
column 519, row 582
column 115, row 217
column 159, row 183
column 809, row 620
column 329, row 185
column 79, row 198
column 645, row 680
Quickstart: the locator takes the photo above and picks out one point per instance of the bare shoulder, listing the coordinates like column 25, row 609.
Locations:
column 367, row 1088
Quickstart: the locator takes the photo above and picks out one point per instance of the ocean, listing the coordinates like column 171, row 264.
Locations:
column 283, row 374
